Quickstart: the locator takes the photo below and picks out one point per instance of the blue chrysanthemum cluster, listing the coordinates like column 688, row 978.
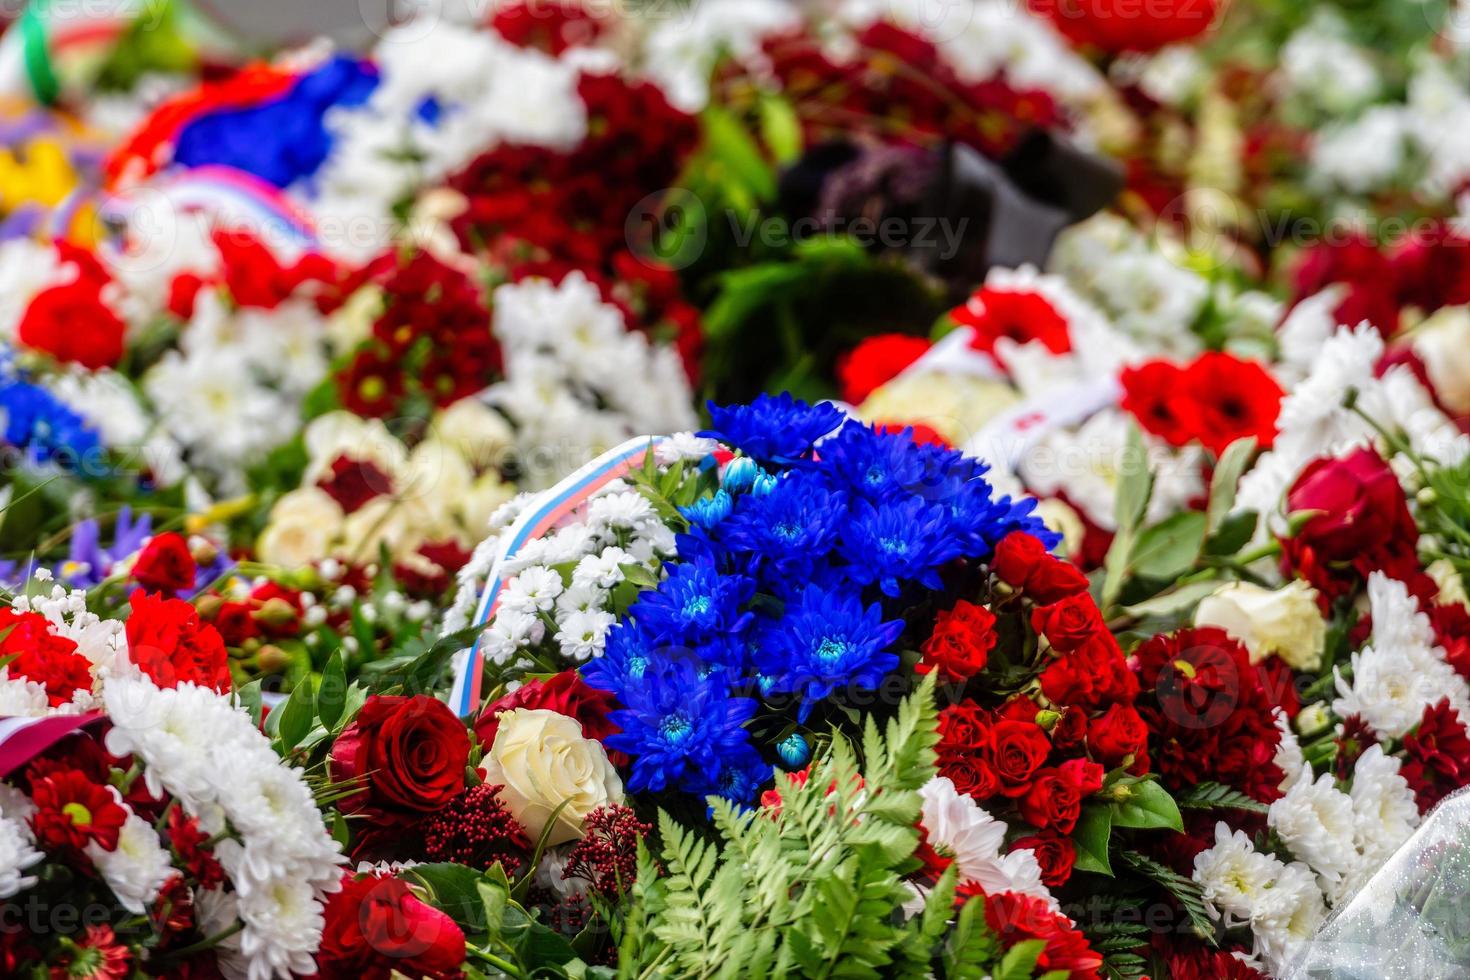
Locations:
column 788, row 588
column 43, row 426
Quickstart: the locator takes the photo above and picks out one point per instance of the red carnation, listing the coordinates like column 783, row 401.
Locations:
column 72, row 811
column 353, row 482
column 566, row 694
column 41, row 656
column 1022, row 562
column 165, row 564
column 875, row 362
column 169, row 643
column 408, row 752
column 1068, row 623
column 377, row 928
column 961, row 642
column 1363, row 524
column 72, row 323
column 1115, row 26
column 189, row 842
column 1020, row 316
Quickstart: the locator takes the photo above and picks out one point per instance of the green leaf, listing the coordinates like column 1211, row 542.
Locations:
column 454, row 889
column 297, row 716
column 1184, row 890
column 1148, row 807
column 1019, row 963
column 1170, row 548
column 739, row 156
column 1233, row 533
column 780, row 128
column 1173, row 601
column 250, row 700
column 331, row 696
column 1216, row 796
column 1135, row 483
column 1228, row 469
column 1093, row 831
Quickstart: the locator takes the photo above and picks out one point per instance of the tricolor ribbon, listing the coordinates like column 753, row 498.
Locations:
column 236, row 198
column 550, row 509
column 22, row 739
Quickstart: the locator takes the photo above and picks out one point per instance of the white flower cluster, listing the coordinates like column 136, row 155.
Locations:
column 620, row 528
column 578, row 382
column 17, row 844
column 100, row 641
column 204, row 750
column 958, row 828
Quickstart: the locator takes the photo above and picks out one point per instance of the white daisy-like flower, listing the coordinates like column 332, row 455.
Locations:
column 1289, row 920
column 1383, row 806
column 580, row 598
column 137, row 867
column 1318, row 824
column 534, row 590
column 1289, row 757
column 684, row 446
column 584, row 634
column 621, row 511
column 16, row 855
column 510, row 633
column 1236, row 880
column 603, row 570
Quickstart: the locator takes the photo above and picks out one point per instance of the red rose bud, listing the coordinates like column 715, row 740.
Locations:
column 1022, row 562
column 409, row 752
column 165, row 564
column 377, row 927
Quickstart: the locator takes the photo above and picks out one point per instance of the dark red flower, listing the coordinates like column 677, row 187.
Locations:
column 961, row 642
column 1090, row 676
column 1433, row 269
column 408, row 752
column 1439, row 755
column 1068, row 623
column 1056, row 855
column 1020, row 316
column 1017, row 918
column 1118, row 736
column 376, row 927
column 168, row 642
column 1354, row 262
column 1115, row 26
column 1021, row 748
column 353, row 482
column 72, row 811
column 875, row 362
column 165, row 564
column 188, row 842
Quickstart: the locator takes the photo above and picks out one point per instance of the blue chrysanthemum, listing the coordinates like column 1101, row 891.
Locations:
column 827, row 641
column 44, row 426
column 877, row 465
column 681, row 728
column 792, row 526
column 898, row 541
column 707, row 512
column 740, row 778
column 625, row 659
column 980, row 521
column 773, row 428
column 697, row 601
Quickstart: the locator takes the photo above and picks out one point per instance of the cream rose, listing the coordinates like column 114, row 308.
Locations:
column 303, row 528
column 1443, row 344
column 1284, row 623
column 542, row 761
column 477, row 431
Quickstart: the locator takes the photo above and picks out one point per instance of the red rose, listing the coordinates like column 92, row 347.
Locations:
column 1018, row 707
column 1364, row 524
column 965, row 727
column 1069, row 623
column 169, row 643
column 235, row 623
column 1154, row 394
column 1090, row 676
column 1056, row 855
column 1117, row 734
column 1127, row 25
column 960, row 644
column 1234, row 399
column 377, row 928
column 566, row 694
column 1355, row 262
column 1020, row 749
column 1070, row 729
column 165, row 564
column 410, row 751
column 875, row 362
column 1433, row 269
column 1051, row 802
column 972, row 774
column 1022, row 562
column 1020, row 316
column 71, row 323
column 37, row 654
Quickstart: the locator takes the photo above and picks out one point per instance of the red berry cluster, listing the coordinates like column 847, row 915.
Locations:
column 607, row 855
column 476, row 829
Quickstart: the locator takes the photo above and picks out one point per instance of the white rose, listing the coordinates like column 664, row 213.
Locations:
column 1284, row 623
column 303, row 527
column 1451, row 586
column 481, row 434
column 1443, row 344
column 542, row 761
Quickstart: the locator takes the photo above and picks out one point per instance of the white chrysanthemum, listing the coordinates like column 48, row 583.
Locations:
column 532, row 591
column 1383, row 806
column 580, row 599
column 137, row 868
column 1321, row 65
column 1289, row 757
column 1290, row 918
column 283, row 928
column 21, row 698
column 957, row 828
column 1363, row 153
column 16, row 855
column 681, row 50
column 510, row 633
column 1235, row 879
column 602, row 571
column 684, row 446
column 1318, row 824
column 584, row 634
column 621, row 511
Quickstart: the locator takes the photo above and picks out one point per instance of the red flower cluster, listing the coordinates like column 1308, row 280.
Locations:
column 1439, row 755
column 960, row 644
column 409, row 754
column 1017, row 918
column 70, row 321
column 377, row 928
column 41, row 656
column 1215, row 400
column 1210, row 706
column 1020, row 316
column 1022, row 562
column 433, row 336
column 168, row 642
column 832, row 95
column 1361, row 525
column 875, row 362
column 1115, row 26
column 552, row 26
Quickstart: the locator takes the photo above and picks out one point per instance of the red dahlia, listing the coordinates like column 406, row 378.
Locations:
column 72, row 812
